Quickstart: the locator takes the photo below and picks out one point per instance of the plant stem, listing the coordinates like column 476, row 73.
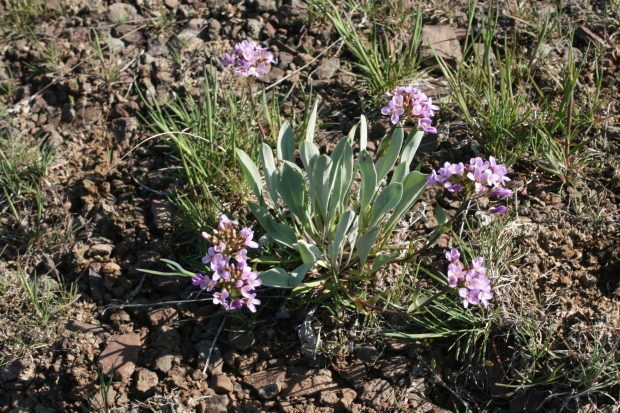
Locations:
column 253, row 102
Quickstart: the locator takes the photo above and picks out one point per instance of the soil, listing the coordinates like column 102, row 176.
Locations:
column 131, row 342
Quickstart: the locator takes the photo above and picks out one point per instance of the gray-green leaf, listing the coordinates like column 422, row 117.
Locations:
column 369, row 179
column 250, row 171
column 364, row 244
column 386, row 200
column 269, row 169
column 275, row 277
column 286, row 143
column 385, row 163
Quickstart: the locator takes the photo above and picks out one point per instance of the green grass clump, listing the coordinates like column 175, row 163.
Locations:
column 386, row 53
column 203, row 131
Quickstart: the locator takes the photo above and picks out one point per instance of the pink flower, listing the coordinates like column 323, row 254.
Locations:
column 469, row 297
column 220, row 298
column 251, row 302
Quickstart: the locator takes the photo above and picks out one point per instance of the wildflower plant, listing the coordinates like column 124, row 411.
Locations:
column 413, row 103
column 477, row 179
column 234, row 280
column 325, row 230
column 250, row 60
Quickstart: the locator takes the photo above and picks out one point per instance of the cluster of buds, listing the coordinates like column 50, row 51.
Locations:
column 234, row 280
column 472, row 282
column 249, row 58
column 478, row 178
column 410, row 101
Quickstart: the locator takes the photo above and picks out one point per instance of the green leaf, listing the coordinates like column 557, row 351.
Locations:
column 387, row 199
column 338, row 151
column 386, row 162
column 308, row 153
column 411, row 146
column 335, row 249
column 281, row 233
column 347, row 174
column 364, row 244
column 440, row 214
column 286, row 143
column 292, row 189
column 381, row 260
column 369, row 179
column 250, row 171
column 311, row 124
column 307, row 256
column 320, row 181
column 400, row 172
column 363, row 133
column 334, row 200
column 275, row 277
column 413, row 187
column 269, row 169
column 298, row 274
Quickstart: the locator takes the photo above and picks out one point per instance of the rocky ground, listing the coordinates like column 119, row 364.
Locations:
column 127, row 341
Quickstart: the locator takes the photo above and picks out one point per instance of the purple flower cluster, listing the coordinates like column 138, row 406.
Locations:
column 472, row 282
column 410, row 101
column 235, row 280
column 478, row 178
column 249, row 58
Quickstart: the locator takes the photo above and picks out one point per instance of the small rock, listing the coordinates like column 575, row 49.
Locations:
column 102, row 251
column 274, row 74
column 124, row 130
column 308, row 382
column 394, row 368
column 96, row 281
column 329, row 398
column 157, row 47
column 246, row 364
column 80, row 327
column 171, row 4
column 128, row 33
column 186, row 39
column 267, row 383
column 197, row 25
column 367, row 353
column 445, row 42
column 303, row 59
column 146, row 382
column 214, row 404
column 253, row 28
column 221, row 383
column 265, row 6
column 213, row 32
column 88, row 115
column 162, row 316
column 11, row 371
column 120, row 12
column 241, row 340
column 168, row 338
column 348, row 396
column 327, row 68
column 126, row 109
column 378, row 394
column 216, row 363
column 164, row 363
column 120, row 356
column 284, row 60
column 355, row 373
column 162, row 216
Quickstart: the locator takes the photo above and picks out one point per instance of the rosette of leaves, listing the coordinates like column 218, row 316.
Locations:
column 327, row 229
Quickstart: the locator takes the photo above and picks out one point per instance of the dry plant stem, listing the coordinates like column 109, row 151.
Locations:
column 260, row 126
